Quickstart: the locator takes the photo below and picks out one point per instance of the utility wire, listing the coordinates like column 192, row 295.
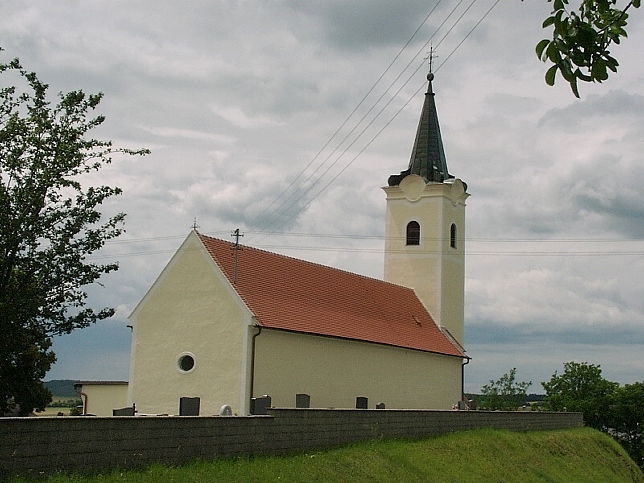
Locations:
column 381, row 237
column 487, row 253
column 283, row 212
column 468, row 34
column 362, row 101
column 346, row 120
column 305, row 205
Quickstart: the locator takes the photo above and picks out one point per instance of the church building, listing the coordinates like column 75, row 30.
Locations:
column 227, row 323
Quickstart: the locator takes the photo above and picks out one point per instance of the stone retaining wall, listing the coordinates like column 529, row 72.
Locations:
column 44, row 445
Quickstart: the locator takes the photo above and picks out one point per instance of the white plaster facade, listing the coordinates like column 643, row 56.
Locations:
column 334, row 372
column 100, row 398
column 434, row 268
column 190, row 309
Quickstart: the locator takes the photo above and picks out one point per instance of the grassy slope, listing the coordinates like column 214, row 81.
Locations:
column 581, row 455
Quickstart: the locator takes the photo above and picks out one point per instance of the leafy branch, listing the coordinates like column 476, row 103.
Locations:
column 49, row 223
column 579, row 47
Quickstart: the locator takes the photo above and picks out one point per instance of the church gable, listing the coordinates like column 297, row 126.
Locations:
column 189, row 334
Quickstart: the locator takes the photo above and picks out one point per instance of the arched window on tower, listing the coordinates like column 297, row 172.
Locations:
column 452, row 236
column 413, row 233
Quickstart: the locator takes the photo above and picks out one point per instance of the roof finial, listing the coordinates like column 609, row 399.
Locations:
column 430, row 59
column 236, row 248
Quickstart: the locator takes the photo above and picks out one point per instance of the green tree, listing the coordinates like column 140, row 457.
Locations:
column 49, row 223
column 505, row 394
column 627, row 419
column 581, row 388
column 581, row 37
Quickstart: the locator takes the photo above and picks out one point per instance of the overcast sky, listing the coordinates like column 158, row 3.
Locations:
column 238, row 99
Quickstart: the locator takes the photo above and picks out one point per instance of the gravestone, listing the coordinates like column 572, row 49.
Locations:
column 129, row 411
column 225, row 410
column 259, row 405
column 189, row 406
column 302, row 401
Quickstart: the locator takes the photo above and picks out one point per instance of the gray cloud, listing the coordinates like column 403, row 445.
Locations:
column 614, row 107
column 363, row 24
column 582, row 334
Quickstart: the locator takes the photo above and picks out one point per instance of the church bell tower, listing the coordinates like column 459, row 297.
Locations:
column 425, row 226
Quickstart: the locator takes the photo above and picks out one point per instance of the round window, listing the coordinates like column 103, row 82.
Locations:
column 186, row 362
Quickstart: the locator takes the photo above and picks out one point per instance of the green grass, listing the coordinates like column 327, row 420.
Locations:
column 578, row 455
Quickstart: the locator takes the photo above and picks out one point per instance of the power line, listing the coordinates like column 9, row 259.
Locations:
column 468, row 34
column 286, row 218
column 345, row 122
column 381, row 237
column 319, row 178
column 350, row 162
column 487, row 253
column 546, row 247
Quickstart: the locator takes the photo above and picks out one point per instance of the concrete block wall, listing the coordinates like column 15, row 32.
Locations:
column 85, row 444
column 326, row 428
column 36, row 445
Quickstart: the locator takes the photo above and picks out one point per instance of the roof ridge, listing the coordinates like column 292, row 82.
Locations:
column 232, row 244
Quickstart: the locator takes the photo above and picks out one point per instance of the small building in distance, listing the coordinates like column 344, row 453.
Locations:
column 100, row 398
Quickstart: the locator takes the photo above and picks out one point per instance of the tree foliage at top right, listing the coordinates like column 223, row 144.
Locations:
column 581, row 38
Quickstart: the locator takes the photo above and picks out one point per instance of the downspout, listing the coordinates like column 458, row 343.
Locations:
column 467, row 361
column 82, row 395
column 252, row 361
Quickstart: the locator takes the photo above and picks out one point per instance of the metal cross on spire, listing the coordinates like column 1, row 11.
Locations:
column 430, row 58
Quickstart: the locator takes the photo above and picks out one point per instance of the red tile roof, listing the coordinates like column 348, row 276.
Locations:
column 290, row 294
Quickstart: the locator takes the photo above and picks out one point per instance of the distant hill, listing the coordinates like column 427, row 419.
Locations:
column 61, row 388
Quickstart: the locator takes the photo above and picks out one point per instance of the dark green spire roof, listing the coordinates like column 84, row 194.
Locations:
column 427, row 157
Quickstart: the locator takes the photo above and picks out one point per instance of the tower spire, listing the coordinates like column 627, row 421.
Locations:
column 427, row 156
column 425, row 224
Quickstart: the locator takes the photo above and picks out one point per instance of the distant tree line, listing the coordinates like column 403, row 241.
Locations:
column 64, row 403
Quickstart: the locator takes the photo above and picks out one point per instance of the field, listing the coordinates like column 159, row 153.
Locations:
column 578, row 455
column 59, row 404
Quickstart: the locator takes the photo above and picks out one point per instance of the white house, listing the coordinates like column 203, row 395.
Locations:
column 101, row 398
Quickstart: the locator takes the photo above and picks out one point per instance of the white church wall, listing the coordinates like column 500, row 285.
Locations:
column 190, row 312
column 434, row 269
column 335, row 371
